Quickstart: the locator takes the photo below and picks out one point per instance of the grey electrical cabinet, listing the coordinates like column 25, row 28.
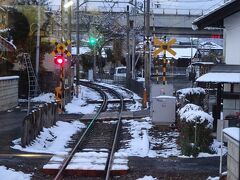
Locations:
column 163, row 110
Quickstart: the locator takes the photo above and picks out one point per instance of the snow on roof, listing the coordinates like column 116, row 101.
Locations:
column 210, row 45
column 203, row 63
column 220, row 78
column 82, row 50
column 232, row 132
column 4, row 30
column 219, row 6
column 181, row 53
column 165, row 97
column 185, row 91
column 9, row 77
column 7, row 45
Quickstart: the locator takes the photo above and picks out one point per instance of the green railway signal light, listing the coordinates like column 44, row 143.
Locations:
column 92, row 41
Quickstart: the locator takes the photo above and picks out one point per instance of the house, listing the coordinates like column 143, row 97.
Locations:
column 226, row 76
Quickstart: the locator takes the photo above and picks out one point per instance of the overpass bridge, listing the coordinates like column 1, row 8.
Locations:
column 163, row 23
column 166, row 17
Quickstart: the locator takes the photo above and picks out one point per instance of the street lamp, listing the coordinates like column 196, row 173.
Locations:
column 68, row 4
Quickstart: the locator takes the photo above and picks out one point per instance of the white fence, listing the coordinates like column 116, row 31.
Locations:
column 8, row 92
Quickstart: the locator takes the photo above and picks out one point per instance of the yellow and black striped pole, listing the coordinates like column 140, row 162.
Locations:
column 164, row 46
column 62, row 87
column 164, row 66
column 164, row 69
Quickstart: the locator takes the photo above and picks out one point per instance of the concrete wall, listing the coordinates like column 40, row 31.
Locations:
column 8, row 92
column 232, row 39
column 43, row 116
column 232, row 159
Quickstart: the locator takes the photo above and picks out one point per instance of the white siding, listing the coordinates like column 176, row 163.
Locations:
column 232, row 38
column 8, row 92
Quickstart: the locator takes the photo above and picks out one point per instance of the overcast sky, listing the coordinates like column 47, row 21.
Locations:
column 176, row 4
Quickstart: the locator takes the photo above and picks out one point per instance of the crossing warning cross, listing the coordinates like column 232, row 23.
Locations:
column 61, row 48
column 164, row 46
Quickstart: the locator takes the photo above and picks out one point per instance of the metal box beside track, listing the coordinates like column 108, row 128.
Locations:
column 163, row 110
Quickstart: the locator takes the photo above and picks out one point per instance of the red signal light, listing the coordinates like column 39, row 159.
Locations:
column 59, row 60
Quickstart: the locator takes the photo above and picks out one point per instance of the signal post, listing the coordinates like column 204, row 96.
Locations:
column 59, row 55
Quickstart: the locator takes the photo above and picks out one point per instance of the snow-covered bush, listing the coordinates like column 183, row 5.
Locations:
column 195, row 130
column 192, row 113
column 190, row 95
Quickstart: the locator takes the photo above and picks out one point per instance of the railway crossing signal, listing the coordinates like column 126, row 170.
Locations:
column 164, row 46
column 59, row 60
column 59, row 54
column 92, row 41
column 61, row 48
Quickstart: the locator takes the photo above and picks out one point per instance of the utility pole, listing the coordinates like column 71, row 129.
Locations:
column 147, row 58
column 70, row 68
column 133, row 54
column 128, row 49
column 94, row 63
column 78, row 46
column 133, row 41
column 38, row 42
column 62, row 19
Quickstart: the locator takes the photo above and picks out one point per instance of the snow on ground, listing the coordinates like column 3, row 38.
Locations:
column 216, row 147
column 80, row 105
column 142, row 143
column 147, row 178
column 217, row 177
column 213, row 178
column 11, row 174
column 52, row 140
column 136, row 106
column 48, row 97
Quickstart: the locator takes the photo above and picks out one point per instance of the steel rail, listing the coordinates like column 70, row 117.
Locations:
column 110, row 159
column 70, row 156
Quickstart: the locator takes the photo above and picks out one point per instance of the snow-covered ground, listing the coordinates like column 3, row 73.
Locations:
column 80, row 105
column 142, row 143
column 147, row 178
column 11, row 174
column 127, row 95
column 52, row 140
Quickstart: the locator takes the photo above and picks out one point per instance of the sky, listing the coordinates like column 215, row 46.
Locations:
column 175, row 4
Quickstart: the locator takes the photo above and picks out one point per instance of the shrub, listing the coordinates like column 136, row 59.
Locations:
column 195, row 130
column 190, row 95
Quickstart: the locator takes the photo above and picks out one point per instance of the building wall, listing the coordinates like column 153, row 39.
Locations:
column 231, row 106
column 232, row 39
column 8, row 92
column 232, row 159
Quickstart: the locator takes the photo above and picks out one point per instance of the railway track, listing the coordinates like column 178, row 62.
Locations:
column 98, row 137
